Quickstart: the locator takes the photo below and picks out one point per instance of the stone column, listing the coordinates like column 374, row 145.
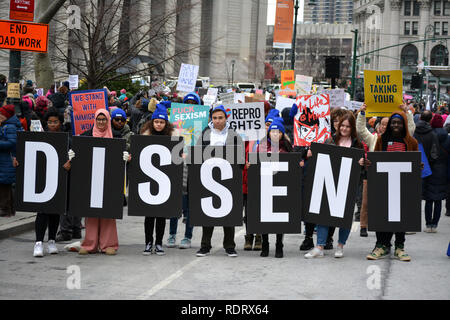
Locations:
column 425, row 6
column 394, row 52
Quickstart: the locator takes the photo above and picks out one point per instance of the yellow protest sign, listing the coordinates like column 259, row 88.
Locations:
column 13, row 90
column 383, row 92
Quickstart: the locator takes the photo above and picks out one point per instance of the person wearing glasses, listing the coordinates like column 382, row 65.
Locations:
column 119, row 126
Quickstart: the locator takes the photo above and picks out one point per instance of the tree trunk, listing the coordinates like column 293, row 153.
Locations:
column 124, row 31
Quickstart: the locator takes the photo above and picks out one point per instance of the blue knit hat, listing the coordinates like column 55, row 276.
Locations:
column 118, row 113
column 192, row 96
column 144, row 104
column 219, row 108
column 277, row 125
column 166, row 104
column 272, row 115
column 160, row 112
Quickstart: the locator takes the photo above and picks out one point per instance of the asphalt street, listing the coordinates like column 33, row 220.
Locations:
column 181, row 275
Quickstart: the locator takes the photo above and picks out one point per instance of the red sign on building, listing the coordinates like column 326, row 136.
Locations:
column 21, row 10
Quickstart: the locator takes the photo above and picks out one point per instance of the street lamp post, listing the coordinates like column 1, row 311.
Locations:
column 294, row 36
column 429, row 28
column 232, row 72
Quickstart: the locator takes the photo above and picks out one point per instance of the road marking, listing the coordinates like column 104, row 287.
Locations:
column 164, row 283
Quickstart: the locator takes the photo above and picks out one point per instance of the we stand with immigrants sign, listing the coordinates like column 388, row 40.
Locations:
column 215, row 183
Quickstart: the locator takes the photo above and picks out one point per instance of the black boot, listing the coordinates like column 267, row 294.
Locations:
column 279, row 250
column 265, row 249
column 307, row 244
column 363, row 232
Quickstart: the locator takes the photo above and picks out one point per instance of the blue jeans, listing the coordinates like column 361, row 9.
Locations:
column 322, row 234
column 431, row 219
column 174, row 221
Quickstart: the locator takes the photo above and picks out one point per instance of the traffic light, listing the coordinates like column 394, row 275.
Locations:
column 416, row 81
column 332, row 67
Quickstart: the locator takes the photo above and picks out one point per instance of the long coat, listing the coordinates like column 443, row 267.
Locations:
column 8, row 140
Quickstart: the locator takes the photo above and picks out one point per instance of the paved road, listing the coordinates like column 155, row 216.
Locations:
column 181, row 275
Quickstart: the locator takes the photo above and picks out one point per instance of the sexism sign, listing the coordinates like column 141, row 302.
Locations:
column 85, row 104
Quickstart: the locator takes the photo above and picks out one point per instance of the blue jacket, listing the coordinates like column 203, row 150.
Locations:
column 8, row 139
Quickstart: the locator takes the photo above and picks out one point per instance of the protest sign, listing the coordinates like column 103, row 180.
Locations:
column 36, row 126
column 331, row 185
column 85, row 104
column 312, row 120
column 247, row 119
column 283, row 103
column 156, row 179
column 189, row 120
column 209, row 100
column 287, row 80
column 212, row 92
column 13, row 90
column 394, row 191
column 187, row 77
column 41, row 181
column 97, row 177
column 227, row 97
column 40, row 92
column 239, row 98
column 259, row 91
column 73, row 81
column 23, row 36
column 21, row 10
column 215, row 186
column 282, row 33
column 383, row 92
column 303, row 84
column 337, row 97
column 254, row 97
column 274, row 205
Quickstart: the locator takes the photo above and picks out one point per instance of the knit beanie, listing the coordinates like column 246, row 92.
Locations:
column 277, row 125
column 118, row 113
column 192, row 96
column 160, row 113
column 8, row 110
column 219, row 108
column 274, row 113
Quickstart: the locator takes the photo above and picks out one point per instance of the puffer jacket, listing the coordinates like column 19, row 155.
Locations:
column 8, row 141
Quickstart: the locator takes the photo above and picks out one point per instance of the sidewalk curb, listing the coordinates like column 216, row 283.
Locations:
column 17, row 227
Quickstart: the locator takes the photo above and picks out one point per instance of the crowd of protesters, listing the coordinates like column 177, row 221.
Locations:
column 410, row 129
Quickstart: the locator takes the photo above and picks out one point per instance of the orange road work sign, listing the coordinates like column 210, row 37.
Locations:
column 23, row 36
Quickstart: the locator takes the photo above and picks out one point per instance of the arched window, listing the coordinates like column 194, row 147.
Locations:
column 409, row 56
column 439, row 56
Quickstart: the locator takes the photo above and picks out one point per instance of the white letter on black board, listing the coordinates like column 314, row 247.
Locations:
column 160, row 177
column 98, row 177
column 324, row 175
column 51, row 172
column 226, row 198
column 394, row 169
column 268, row 191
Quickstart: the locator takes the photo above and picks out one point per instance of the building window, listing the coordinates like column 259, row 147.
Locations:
column 407, row 9
column 409, row 55
column 439, row 56
column 444, row 28
column 446, row 8
column 407, row 28
column 416, row 8
column 415, row 28
column 437, row 8
column 437, row 28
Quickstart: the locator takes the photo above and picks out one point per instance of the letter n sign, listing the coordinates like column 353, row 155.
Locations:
column 394, row 189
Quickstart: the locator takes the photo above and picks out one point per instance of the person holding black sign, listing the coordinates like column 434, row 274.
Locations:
column 395, row 138
column 345, row 136
column 100, row 233
column 158, row 125
column 218, row 133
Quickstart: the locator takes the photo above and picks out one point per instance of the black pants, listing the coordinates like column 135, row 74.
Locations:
column 7, row 200
column 265, row 239
column 149, row 225
column 69, row 224
column 44, row 220
column 310, row 231
column 228, row 238
column 385, row 238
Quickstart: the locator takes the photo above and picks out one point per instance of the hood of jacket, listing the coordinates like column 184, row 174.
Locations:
column 423, row 127
column 13, row 121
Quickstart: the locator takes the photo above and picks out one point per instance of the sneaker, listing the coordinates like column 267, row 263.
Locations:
column 409, row 233
column 185, row 243
column 83, row 251
column 110, row 251
column 203, row 252
column 401, row 255
column 307, row 244
column 339, row 253
column 427, row 230
column 159, row 250
column 314, row 253
column 379, row 252
column 38, row 249
column 231, row 252
column 51, row 247
column 433, row 229
column 363, row 232
column 328, row 245
column 148, row 249
column 171, row 241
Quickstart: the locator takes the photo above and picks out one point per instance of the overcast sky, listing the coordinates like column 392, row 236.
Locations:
column 271, row 12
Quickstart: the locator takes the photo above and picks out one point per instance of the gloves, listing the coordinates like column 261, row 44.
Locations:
column 71, row 154
column 126, row 156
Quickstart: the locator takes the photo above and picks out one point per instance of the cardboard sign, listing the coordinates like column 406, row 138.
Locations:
column 41, row 181
column 85, row 104
column 394, row 192
column 73, row 81
column 187, row 77
column 13, row 90
column 97, row 178
column 282, row 32
column 156, row 179
column 331, row 185
column 23, row 36
column 383, row 92
column 274, row 186
column 287, row 80
column 254, row 97
column 283, row 103
column 227, row 97
column 337, row 97
column 21, row 10
column 189, row 120
column 312, row 120
column 303, row 84
column 247, row 119
column 215, row 186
